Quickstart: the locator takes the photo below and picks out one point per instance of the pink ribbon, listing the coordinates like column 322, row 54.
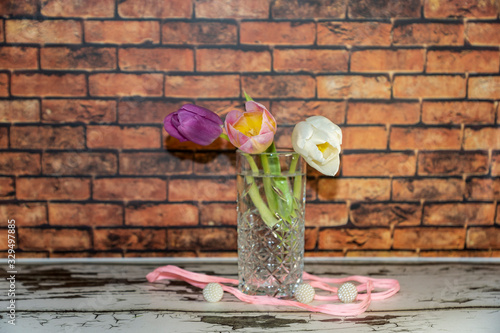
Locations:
column 385, row 289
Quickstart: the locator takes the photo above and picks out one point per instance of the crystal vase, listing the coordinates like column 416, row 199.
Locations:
column 271, row 212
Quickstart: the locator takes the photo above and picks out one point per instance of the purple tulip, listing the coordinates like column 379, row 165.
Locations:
column 194, row 123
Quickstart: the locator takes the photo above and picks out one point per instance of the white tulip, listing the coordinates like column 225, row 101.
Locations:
column 318, row 140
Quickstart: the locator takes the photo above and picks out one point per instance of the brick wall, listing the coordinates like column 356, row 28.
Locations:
column 87, row 170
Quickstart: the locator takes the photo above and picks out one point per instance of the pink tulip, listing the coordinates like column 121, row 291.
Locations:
column 251, row 131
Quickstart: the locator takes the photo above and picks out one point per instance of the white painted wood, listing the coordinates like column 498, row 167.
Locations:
column 435, row 296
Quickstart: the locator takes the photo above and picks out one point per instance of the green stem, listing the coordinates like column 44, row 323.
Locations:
column 268, row 187
column 261, row 206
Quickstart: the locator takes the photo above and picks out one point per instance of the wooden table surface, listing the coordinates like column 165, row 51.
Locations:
column 97, row 295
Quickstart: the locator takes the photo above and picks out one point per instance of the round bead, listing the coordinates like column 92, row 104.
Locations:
column 213, row 292
column 347, row 292
column 304, row 293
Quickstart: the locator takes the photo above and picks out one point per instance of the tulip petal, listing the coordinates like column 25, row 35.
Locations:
column 168, row 124
column 197, row 129
column 195, row 124
column 205, row 113
column 318, row 140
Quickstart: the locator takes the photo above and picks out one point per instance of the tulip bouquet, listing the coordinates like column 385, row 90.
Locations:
column 316, row 139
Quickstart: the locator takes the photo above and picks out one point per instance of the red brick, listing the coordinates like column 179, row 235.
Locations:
column 353, row 86
column 4, row 137
column 279, row 86
column 457, row 8
column 483, row 189
column 122, row 32
column 164, row 163
column 379, row 164
column 134, row 59
column 326, row 215
column 297, row 60
column 386, row 9
column 215, row 214
column 484, row 87
column 43, row 85
column 407, row 33
column 200, row 189
column 383, row 113
column 43, row 32
column 227, row 60
column 424, row 138
column 483, row 238
column 19, row 111
column 458, row 112
column 280, row 33
column 4, row 85
column 385, row 214
column 18, row 7
column 81, row 58
column 47, row 137
column 470, row 61
column 459, row 214
column 483, row 33
column 25, row 214
column 482, row 138
column 156, row 8
column 171, row 143
column 435, row 86
column 459, row 254
column 429, row 238
column 87, row 9
column 161, row 215
column 208, row 163
column 86, row 254
column 13, row 57
column 291, row 112
column 452, row 163
column 202, row 238
column 343, row 239
column 78, row 110
column 94, row 214
column 2, row 38
column 380, row 253
column 32, row 239
column 232, row 9
column 354, row 33
column 297, row 9
column 116, row 137
column 79, row 163
column 118, row 84
column 311, row 236
column 202, row 86
column 7, row 190
column 427, row 189
column 364, row 137
column 324, row 254
column 378, row 61
column 29, row 254
column 495, row 166
column 145, row 111
column 13, row 163
column 210, row 33
column 127, row 189
column 53, row 189
column 129, row 239
column 341, row 189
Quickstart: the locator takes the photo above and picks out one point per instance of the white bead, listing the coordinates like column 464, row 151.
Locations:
column 347, row 292
column 304, row 293
column 213, row 292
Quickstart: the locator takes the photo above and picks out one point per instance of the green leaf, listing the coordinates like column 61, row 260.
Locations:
column 248, row 98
